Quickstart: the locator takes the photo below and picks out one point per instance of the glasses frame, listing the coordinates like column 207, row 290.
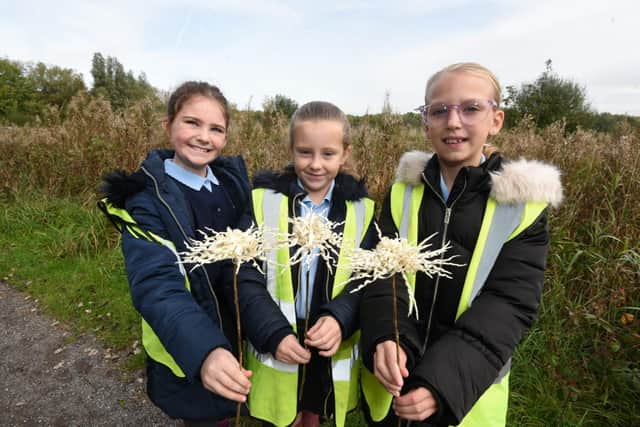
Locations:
column 424, row 109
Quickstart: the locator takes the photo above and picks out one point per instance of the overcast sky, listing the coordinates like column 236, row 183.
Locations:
column 347, row 52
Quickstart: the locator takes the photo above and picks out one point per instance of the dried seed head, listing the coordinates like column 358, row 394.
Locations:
column 237, row 245
column 398, row 256
column 313, row 234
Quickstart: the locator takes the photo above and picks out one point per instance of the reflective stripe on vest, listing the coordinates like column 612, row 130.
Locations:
column 277, row 380
column 276, row 259
column 150, row 341
column 501, row 223
column 405, row 205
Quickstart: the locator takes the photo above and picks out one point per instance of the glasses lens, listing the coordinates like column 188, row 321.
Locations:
column 470, row 112
column 437, row 113
column 473, row 111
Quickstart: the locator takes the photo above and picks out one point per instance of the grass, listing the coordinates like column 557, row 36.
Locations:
column 578, row 366
column 63, row 254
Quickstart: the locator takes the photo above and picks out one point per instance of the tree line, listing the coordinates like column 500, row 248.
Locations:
column 29, row 90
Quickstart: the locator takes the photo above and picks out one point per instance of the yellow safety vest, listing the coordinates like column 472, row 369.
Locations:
column 150, row 341
column 501, row 223
column 274, row 385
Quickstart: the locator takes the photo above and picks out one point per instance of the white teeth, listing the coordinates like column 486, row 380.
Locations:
column 204, row 150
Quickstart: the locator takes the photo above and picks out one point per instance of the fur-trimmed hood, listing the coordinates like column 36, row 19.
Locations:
column 516, row 182
column 285, row 182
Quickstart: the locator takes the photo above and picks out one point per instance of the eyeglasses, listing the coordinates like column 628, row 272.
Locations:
column 470, row 112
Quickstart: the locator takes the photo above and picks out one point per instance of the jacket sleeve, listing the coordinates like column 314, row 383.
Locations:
column 262, row 321
column 159, row 293
column 466, row 360
column 345, row 308
column 376, row 310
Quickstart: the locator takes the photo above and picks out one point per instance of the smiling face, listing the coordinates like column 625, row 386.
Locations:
column 458, row 144
column 198, row 133
column 318, row 154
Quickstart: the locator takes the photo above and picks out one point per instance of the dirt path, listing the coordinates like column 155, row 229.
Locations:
column 47, row 380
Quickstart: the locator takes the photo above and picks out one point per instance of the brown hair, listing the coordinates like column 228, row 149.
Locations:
column 465, row 67
column 188, row 90
column 318, row 111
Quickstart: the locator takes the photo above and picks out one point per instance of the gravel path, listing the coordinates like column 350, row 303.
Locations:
column 48, row 379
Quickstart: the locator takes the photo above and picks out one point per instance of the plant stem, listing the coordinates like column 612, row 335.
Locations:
column 396, row 332
column 304, row 333
column 238, row 330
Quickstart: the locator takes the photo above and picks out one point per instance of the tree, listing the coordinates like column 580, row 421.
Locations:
column 17, row 101
column 98, row 71
column 549, row 99
column 54, row 85
column 120, row 87
column 282, row 104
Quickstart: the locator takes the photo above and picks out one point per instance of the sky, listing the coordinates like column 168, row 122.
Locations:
column 350, row 52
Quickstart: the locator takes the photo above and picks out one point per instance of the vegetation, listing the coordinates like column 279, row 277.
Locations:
column 281, row 104
column 112, row 82
column 31, row 90
column 578, row 366
column 551, row 98
column 30, row 93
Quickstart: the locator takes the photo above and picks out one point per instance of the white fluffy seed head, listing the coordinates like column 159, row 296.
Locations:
column 238, row 245
column 398, row 256
column 311, row 233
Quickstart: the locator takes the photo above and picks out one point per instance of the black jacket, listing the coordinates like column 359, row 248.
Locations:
column 462, row 358
column 189, row 324
column 345, row 307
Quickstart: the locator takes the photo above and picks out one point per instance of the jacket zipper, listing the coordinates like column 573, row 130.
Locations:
column 173, row 215
column 447, row 218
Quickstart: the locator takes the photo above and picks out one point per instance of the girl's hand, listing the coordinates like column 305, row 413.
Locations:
column 325, row 335
column 290, row 351
column 386, row 369
column 222, row 374
column 416, row 405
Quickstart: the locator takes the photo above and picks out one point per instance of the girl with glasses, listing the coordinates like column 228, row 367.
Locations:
column 454, row 359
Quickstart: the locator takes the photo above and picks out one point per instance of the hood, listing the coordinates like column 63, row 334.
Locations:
column 516, row 182
column 119, row 185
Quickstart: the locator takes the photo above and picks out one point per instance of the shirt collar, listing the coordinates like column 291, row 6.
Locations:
column 188, row 178
column 327, row 198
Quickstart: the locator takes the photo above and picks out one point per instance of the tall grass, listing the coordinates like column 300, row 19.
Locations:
column 580, row 364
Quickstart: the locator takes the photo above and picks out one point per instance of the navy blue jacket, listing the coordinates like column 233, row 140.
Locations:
column 189, row 324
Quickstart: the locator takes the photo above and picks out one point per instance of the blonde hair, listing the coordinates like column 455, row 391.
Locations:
column 318, row 111
column 472, row 68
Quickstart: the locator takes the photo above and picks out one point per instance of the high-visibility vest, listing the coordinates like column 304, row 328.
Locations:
column 501, row 223
column 150, row 341
column 274, row 385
